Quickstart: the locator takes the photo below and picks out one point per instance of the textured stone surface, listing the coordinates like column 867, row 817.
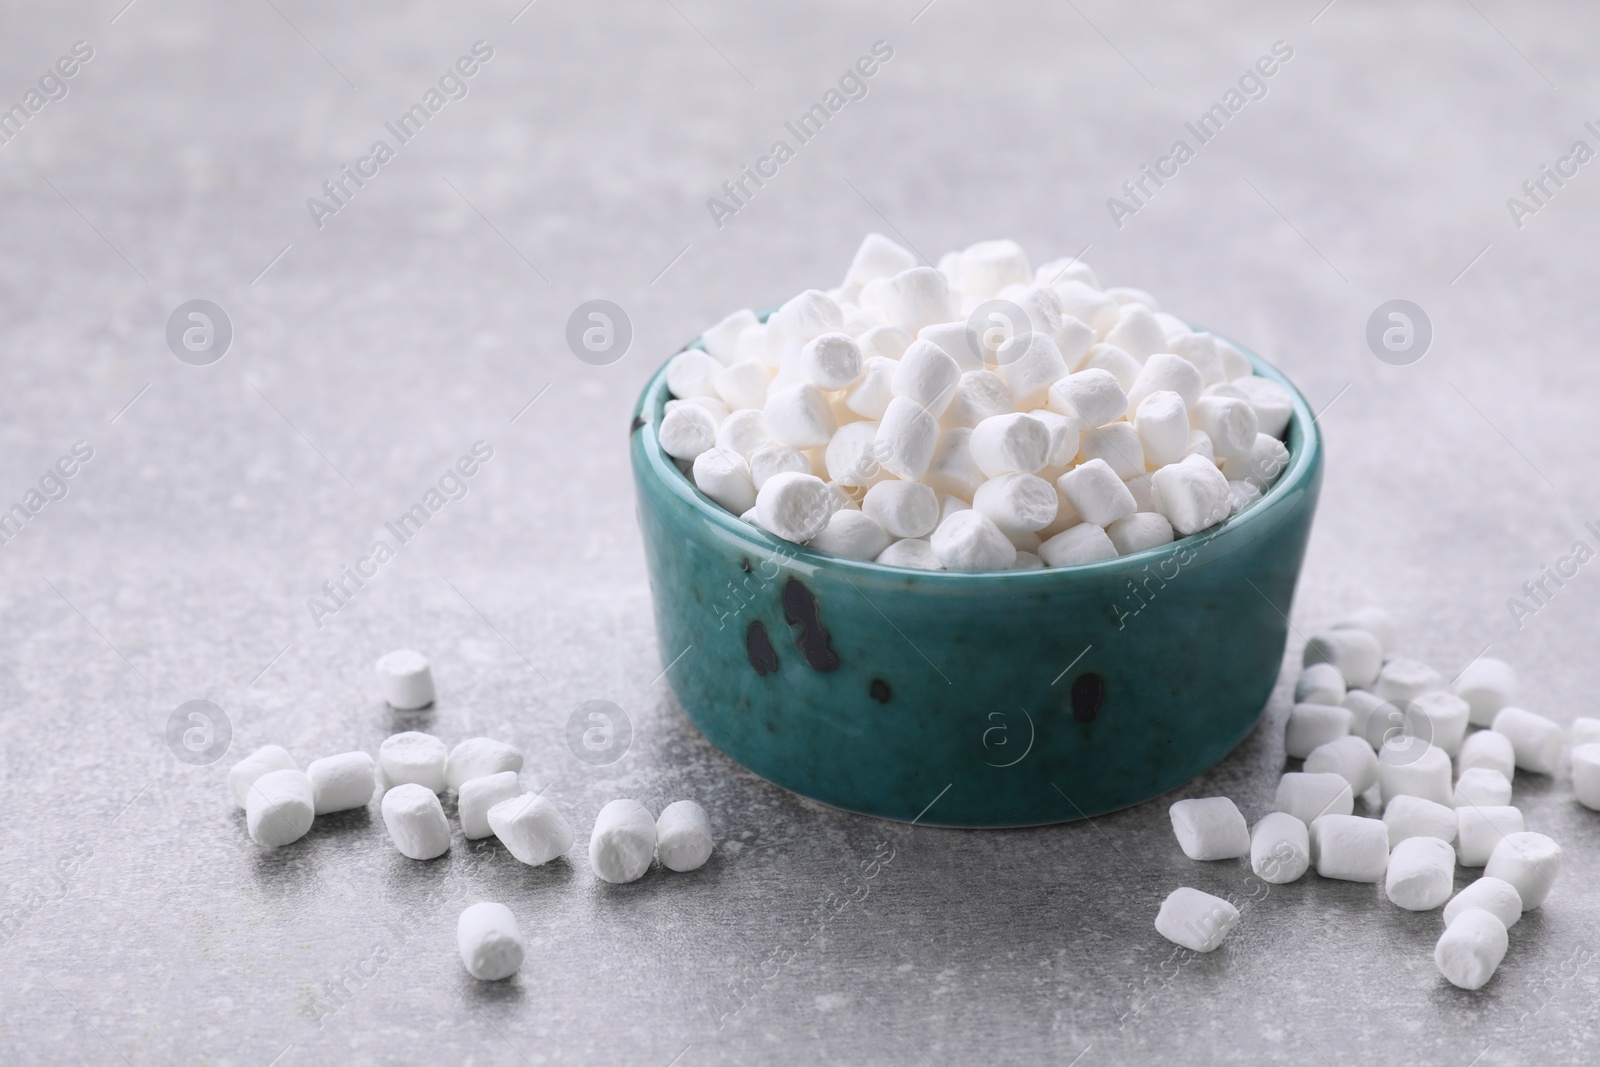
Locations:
column 140, row 924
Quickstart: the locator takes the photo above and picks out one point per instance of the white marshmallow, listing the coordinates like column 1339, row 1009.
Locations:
column 412, row 757
column 1267, row 458
column 1402, row 680
column 1192, row 494
column 961, row 342
column 1371, row 719
column 1084, row 301
column 1074, row 338
column 1240, row 496
column 1128, row 294
column 1096, row 493
column 952, row 470
column 1313, row 725
column 478, row 795
column 1210, row 828
column 1272, row 403
column 1118, row 445
column 904, row 509
column 1482, row 788
column 692, row 373
column 1529, row 861
column 970, row 541
column 1200, row 445
column 279, row 808
column 713, row 406
column 1144, row 494
column 1031, row 363
column 1064, row 434
column 877, row 257
column 1584, row 731
column 1003, row 444
column 1309, row 796
column 989, row 266
column 906, row 438
column 776, row 459
column 830, row 361
column 1320, row 683
column 415, row 821
column 1440, row 718
column 264, row 760
column 1377, row 622
column 1138, row 333
column 1409, row 766
column 1017, row 503
column 1201, row 350
column 532, row 828
column 479, row 757
column 686, row 429
column 1470, row 949
column 1488, row 749
column 1421, row 873
column 722, row 339
column 1480, row 830
column 851, row 458
column 1407, row 817
column 1083, row 543
column 683, row 836
column 489, row 941
column 1139, row 531
column 1197, row 921
column 980, row 395
column 799, row 416
column 1349, row 757
column 1280, row 848
column 887, row 342
column 1094, row 397
column 1162, row 422
column 1164, row 371
column 1231, row 425
column 342, row 782
column 869, row 397
column 1114, row 361
column 914, row 552
column 1355, row 653
column 1586, row 775
column 1349, row 848
column 852, row 535
column 724, row 476
column 914, row 298
column 794, row 506
column 743, row 385
column 1535, row 739
column 405, row 680
column 1059, row 272
column 743, row 432
column 623, row 841
column 1493, row 895
column 1235, row 364
column 753, row 343
column 1027, row 561
column 807, row 315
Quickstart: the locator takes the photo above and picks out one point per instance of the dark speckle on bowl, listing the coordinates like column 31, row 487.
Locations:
column 879, row 691
column 800, row 609
column 638, row 424
column 763, row 657
column 1088, row 690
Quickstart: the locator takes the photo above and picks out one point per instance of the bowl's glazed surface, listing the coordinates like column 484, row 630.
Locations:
column 1008, row 699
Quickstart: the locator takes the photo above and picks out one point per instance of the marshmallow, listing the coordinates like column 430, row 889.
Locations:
column 1074, row 338
column 1027, row 561
column 724, row 476
column 1118, row 445
column 531, row 828
column 1308, row 796
column 1231, row 424
column 415, row 821
column 851, row 458
column 1127, row 294
column 980, row 395
column 970, row 541
column 1421, row 873
column 1529, row 861
column 478, row 795
column 799, row 416
column 989, row 266
column 1192, row 494
column 405, row 679
column 1349, row 757
column 1407, row 817
column 1200, row 445
column 692, row 373
column 906, row 438
column 794, row 506
column 1487, row 685
column 1271, row 401
column 869, row 397
column 713, row 407
column 1096, row 493
column 912, row 299
column 1003, row 444
column 1409, row 766
column 964, row 344
column 489, row 941
column 1355, row 653
column 479, row 757
column 1167, row 372
column 1482, row 788
column 1260, row 466
column 1162, row 422
column 1586, row 775
column 623, row 841
column 1480, row 830
column 1094, row 397
column 412, row 757
column 1121, row 366
column 877, row 257
column 928, row 375
column 683, row 836
column 342, row 782
column 1320, row 683
column 1349, row 848
column 1139, row 531
column 1017, row 503
column 1064, row 435
column 1210, row 829
column 1440, row 718
column 1083, row 300
column 1535, row 739
column 952, row 470
column 279, row 807
column 851, row 535
column 1493, row 895
column 904, row 509
column 1031, row 363
column 722, row 339
column 264, row 760
column 1280, row 848
column 1313, row 725
column 1240, row 496
column 1375, row 621
column 914, row 552
column 1490, row 750
column 1470, row 949
column 776, row 459
column 808, row 315
column 1584, row 731
column 686, row 429
column 743, row 432
column 1197, row 921
column 1235, row 364
column 1402, row 680
column 1083, row 543
column 1144, row 494
column 1371, row 719
column 1138, row 333
column 1060, row 272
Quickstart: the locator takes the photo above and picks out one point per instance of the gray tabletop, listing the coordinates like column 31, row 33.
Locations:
column 379, row 329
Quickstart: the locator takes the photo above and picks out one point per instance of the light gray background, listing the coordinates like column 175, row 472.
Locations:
column 141, row 924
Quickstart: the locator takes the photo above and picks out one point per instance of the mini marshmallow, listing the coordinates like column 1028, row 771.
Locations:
column 264, row 760
column 1139, row 531
column 1470, row 949
column 1260, row 467
column 1231, row 425
column 970, row 541
column 1004, row 444
column 914, row 552
column 928, row 375
column 489, row 941
column 1197, row 921
column 743, row 432
column 683, row 836
column 1017, row 503
column 1490, row 750
column 1128, row 294
column 869, row 397
column 342, row 782
column 799, row 416
column 1031, row 364
column 776, row 459
column 1241, row 495
column 1349, row 848
column 531, row 828
column 1584, row 731
column 851, row 458
column 877, row 257
column 904, row 509
column 478, row 795
column 1200, row 445
column 1421, row 873
column 279, row 808
column 1121, row 366
column 1483, row 788
column 623, row 841
column 1096, row 493
column 1535, row 739
column 1083, row 300
column 1162, row 422
column 952, row 471
column 1273, row 405
column 415, row 821
column 1371, row 719
column 964, row 344
column 980, row 395
column 724, row 476
column 713, row 407
column 1192, row 494
column 794, row 506
column 1064, row 435
column 1487, row 685
column 686, row 429
column 405, row 679
column 1529, row 861
column 1375, row 621
column 851, row 535
column 1402, row 680
column 1349, row 757
column 1083, row 543
column 1144, row 494
column 1440, row 718
column 1280, row 848
column 1118, row 445
column 479, row 757
column 1201, row 350
column 1210, row 828
column 989, row 266
column 1408, row 816
column 1235, row 364
column 1093, row 397
column 1493, row 895
column 1027, row 561
column 1409, row 766
column 1320, row 683
column 887, row 342
column 1165, row 371
column 413, row 757
column 808, row 315
column 1137, row 332
column 1356, row 654
column 1309, row 796
column 906, row 438
column 1061, row 272
column 1586, row 775
column 692, row 373
column 722, row 339
column 1313, row 725
column 1074, row 338
column 1480, row 830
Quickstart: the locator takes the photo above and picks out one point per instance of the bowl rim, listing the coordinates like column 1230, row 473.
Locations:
column 1303, row 465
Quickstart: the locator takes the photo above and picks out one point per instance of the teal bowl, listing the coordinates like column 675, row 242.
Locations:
column 976, row 700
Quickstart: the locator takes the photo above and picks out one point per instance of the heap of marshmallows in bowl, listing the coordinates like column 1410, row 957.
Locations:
column 976, row 416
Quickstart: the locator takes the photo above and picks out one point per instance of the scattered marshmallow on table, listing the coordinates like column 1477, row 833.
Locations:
column 264, row 760
column 1489, row 750
column 683, row 836
column 1586, row 775
column 1195, row 920
column 1375, row 621
column 1480, row 830
column 406, row 679
column 1349, row 848
column 1355, row 654
column 1421, row 873
column 1313, row 725
column 1320, row 683
column 477, row 795
column 1372, row 719
column 279, row 808
column 1440, row 718
column 623, row 841
column 479, row 757
column 489, row 941
column 1280, row 848
column 1409, row 765
column 532, row 828
column 342, row 782
column 415, row 821
column 1407, row 817
column 1535, row 740
column 1309, row 796
column 1530, row 862
column 1493, row 895
column 1471, row 949
column 1210, row 828
column 1483, row 788
column 1584, row 731
column 413, row 757
column 1349, row 757
column 1487, row 685
column 1402, row 680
